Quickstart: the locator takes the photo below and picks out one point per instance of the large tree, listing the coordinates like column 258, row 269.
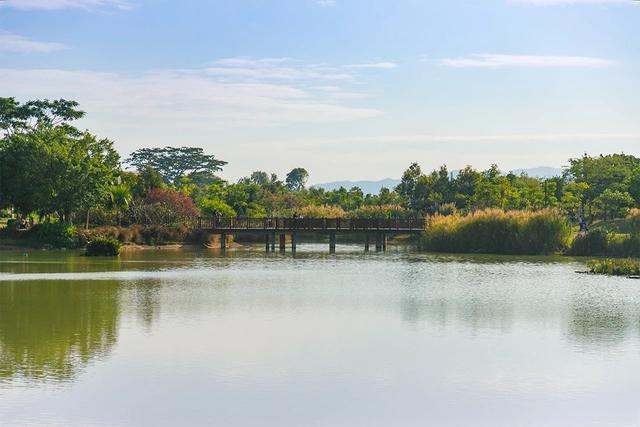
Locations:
column 297, row 179
column 16, row 117
column 173, row 163
column 56, row 170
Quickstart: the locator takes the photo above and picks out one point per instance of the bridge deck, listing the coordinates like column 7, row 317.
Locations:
column 317, row 225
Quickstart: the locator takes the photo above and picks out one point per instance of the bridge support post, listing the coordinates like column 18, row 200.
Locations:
column 293, row 242
column 223, row 242
column 272, row 237
column 332, row 243
column 267, row 241
column 384, row 241
column 378, row 242
column 283, row 242
column 366, row 242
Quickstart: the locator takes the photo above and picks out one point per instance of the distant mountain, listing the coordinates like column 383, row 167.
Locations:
column 373, row 187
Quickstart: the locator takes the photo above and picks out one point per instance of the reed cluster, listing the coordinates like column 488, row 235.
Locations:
column 498, row 232
column 615, row 267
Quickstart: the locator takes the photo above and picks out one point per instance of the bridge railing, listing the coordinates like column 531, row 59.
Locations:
column 308, row 224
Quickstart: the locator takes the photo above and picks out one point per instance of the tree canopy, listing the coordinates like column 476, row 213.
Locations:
column 173, row 163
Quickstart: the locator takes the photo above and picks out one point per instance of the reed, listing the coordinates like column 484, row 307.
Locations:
column 498, row 232
column 615, row 267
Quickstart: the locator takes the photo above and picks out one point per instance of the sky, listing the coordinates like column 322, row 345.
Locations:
column 348, row 89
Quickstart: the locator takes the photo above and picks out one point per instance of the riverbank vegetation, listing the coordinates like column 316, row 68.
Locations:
column 496, row 231
column 60, row 186
column 615, row 267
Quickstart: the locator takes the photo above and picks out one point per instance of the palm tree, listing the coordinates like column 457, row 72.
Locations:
column 120, row 197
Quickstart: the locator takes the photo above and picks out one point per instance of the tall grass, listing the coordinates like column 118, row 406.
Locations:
column 498, row 232
column 634, row 221
column 615, row 267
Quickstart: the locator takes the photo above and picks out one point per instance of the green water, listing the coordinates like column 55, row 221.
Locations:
column 353, row 339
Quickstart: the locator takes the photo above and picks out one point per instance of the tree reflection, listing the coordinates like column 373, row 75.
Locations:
column 51, row 330
column 598, row 323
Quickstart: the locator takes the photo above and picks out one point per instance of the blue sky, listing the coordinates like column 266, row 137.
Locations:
column 348, row 89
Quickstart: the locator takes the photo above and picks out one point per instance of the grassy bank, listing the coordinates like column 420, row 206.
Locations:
column 498, row 232
column 615, row 267
column 60, row 235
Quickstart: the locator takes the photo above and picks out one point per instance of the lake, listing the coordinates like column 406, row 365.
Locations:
column 160, row 338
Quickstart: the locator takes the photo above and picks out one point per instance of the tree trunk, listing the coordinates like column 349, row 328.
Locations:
column 86, row 226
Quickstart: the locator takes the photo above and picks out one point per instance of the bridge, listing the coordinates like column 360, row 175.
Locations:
column 378, row 229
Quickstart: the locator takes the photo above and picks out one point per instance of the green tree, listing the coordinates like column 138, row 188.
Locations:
column 56, row 169
column 297, row 179
column 173, row 163
column 120, row 197
column 16, row 117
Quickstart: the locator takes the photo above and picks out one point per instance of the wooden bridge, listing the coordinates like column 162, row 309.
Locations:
column 379, row 229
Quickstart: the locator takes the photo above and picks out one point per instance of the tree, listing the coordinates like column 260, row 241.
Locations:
column 259, row 177
column 56, row 170
column 297, row 179
column 173, row 163
column 16, row 117
column 614, row 204
column 120, row 197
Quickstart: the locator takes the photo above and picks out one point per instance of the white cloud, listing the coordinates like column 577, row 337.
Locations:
column 287, row 69
column 326, row 3
column 570, row 2
column 376, row 65
column 511, row 61
column 64, row 4
column 179, row 99
column 14, row 43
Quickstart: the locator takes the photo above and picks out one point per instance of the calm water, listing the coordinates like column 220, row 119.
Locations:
column 395, row 339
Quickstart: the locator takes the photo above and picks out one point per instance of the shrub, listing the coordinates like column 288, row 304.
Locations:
column 383, row 211
column 163, row 207
column 103, row 246
column 322, row 211
column 634, row 221
column 56, row 234
column 497, row 231
column 594, row 242
column 215, row 207
column 615, row 267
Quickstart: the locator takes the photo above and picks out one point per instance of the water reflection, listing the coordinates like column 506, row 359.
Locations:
column 51, row 331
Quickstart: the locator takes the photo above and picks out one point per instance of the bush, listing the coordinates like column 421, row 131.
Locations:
column 55, row 234
column 384, row 211
column 601, row 243
column 103, row 246
column 322, row 211
column 499, row 232
column 594, row 242
column 615, row 267
column 634, row 221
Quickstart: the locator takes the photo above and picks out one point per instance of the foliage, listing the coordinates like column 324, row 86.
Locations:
column 139, row 234
column 614, row 204
column 173, row 163
column 55, row 234
column 32, row 115
column 615, row 267
column 103, row 246
column 55, row 170
column 297, row 179
column 383, row 211
column 322, row 211
column 634, row 220
column 216, row 207
column 497, row 231
column 595, row 242
column 163, row 207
